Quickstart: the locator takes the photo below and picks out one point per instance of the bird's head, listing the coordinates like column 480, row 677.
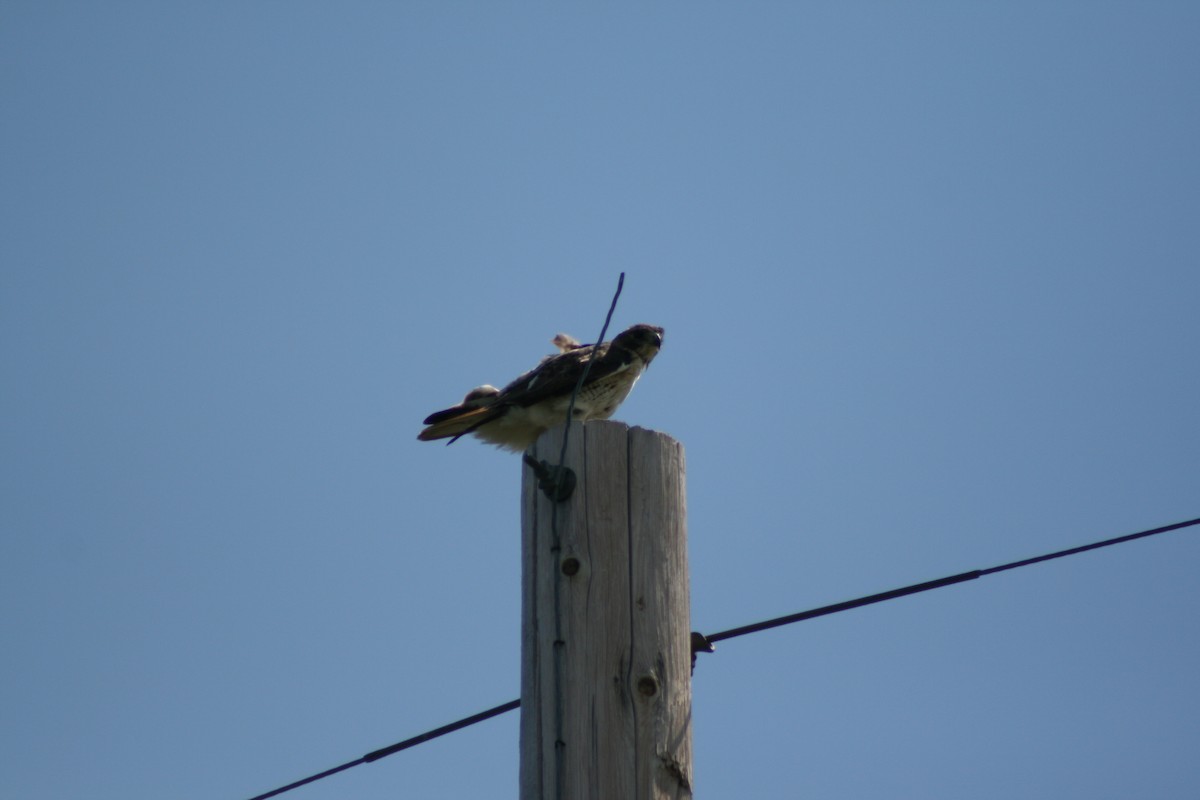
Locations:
column 644, row 340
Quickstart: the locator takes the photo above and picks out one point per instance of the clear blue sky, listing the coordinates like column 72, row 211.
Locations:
column 929, row 276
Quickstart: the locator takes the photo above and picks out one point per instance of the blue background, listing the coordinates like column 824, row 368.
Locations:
column 929, row 278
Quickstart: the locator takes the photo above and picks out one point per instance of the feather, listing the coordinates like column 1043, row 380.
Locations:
column 457, row 421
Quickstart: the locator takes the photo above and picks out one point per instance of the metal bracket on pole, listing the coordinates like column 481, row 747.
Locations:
column 556, row 482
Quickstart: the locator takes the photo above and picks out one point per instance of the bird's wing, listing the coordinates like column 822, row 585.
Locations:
column 557, row 375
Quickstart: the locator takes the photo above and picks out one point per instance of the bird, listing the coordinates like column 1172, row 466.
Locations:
column 514, row 417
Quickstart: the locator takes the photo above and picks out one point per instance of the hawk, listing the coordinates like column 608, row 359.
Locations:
column 513, row 417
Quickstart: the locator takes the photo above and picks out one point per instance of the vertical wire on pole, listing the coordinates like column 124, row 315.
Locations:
column 556, row 549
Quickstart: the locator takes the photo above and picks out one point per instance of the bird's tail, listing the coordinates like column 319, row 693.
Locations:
column 456, row 422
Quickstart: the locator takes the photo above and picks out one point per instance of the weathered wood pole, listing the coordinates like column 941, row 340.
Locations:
column 606, row 703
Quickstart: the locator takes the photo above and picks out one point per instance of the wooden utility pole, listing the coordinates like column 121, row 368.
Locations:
column 606, row 705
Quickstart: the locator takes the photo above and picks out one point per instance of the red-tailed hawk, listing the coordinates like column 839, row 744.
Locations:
column 514, row 417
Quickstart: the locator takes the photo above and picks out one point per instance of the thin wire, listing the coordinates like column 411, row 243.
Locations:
column 937, row 584
column 754, row 628
column 375, row 755
column 556, row 548
column 309, row 779
column 562, row 455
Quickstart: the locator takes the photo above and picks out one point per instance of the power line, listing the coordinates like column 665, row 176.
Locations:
column 375, row 755
column 702, row 643
column 934, row 584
